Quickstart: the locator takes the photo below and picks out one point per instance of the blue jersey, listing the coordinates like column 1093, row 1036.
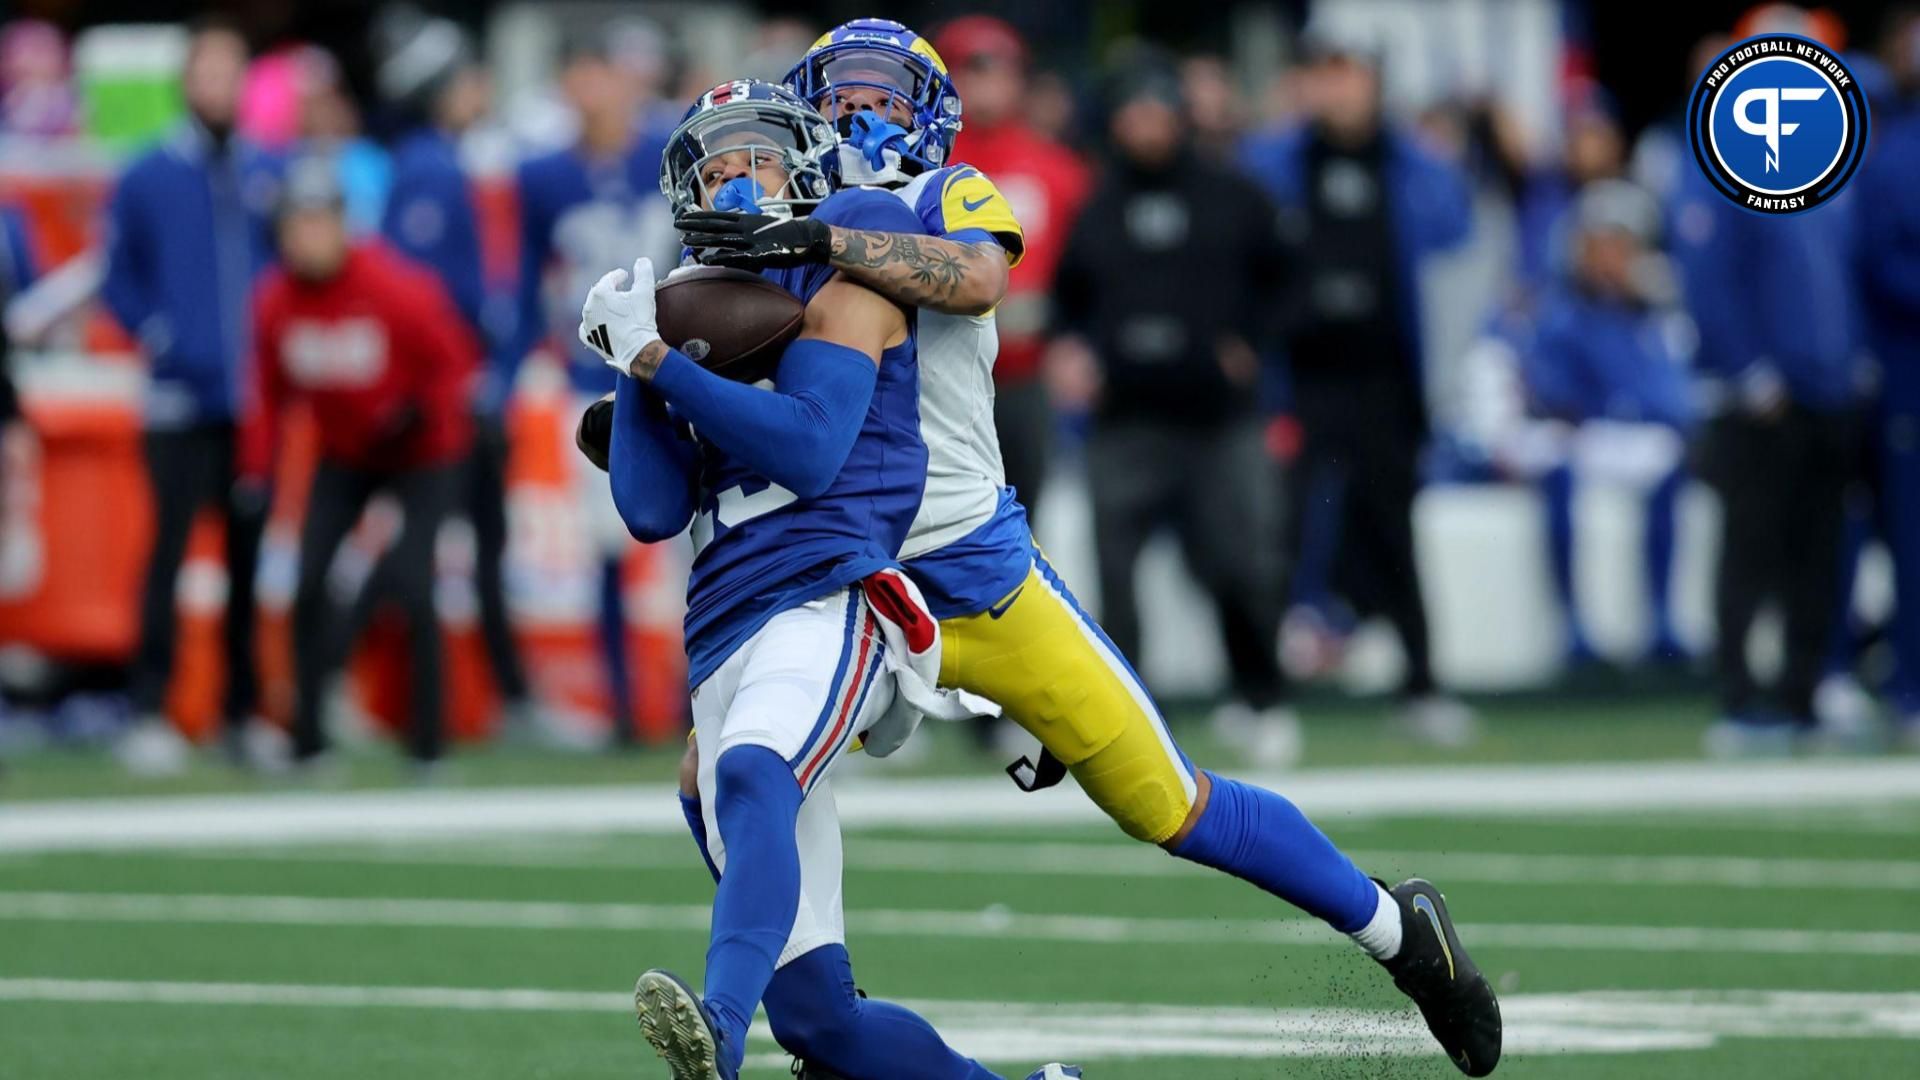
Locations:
column 759, row 548
column 430, row 216
column 579, row 218
column 1593, row 358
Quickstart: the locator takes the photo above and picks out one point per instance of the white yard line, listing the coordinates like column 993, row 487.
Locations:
column 1901, row 818
column 1028, row 1033
column 871, row 802
column 1131, row 861
column 1123, row 860
column 1725, row 871
column 996, row 923
column 110, row 991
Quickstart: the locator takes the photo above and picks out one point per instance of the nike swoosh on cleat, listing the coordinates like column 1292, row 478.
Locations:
column 975, row 204
column 1002, row 607
column 1424, row 906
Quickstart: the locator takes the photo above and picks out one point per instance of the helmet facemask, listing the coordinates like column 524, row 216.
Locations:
column 749, row 134
column 913, row 93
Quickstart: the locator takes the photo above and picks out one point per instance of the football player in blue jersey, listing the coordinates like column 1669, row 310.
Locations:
column 801, row 635
column 1012, row 632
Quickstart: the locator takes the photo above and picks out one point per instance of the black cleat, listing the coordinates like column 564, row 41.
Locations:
column 1434, row 970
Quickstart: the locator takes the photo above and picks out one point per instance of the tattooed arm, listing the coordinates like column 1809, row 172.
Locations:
column 906, row 267
column 923, row 271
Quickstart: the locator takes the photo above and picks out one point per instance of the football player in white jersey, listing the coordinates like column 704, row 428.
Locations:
column 1011, row 629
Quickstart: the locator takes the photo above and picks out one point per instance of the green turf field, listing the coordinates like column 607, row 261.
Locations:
column 1734, row 940
column 1611, row 727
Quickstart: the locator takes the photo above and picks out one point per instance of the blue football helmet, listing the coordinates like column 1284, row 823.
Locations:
column 764, row 119
column 883, row 55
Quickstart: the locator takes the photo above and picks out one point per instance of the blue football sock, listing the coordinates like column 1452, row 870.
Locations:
column 690, row 809
column 612, row 628
column 756, row 806
column 1663, row 506
column 1557, row 488
column 1260, row 837
column 818, row 1017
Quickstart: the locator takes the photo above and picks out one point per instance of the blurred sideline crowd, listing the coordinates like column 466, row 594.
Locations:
column 1220, row 313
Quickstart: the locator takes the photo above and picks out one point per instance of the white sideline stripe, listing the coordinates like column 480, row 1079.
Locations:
column 282, row 817
column 104, row 991
column 1607, row 1022
column 1725, row 871
column 1133, row 861
column 1050, row 859
column 1891, row 819
column 996, row 923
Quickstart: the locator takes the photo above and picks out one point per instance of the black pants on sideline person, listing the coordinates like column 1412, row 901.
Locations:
column 1216, row 488
column 485, row 496
column 1023, row 416
column 1783, row 486
column 482, row 497
column 191, row 469
column 334, row 505
column 1360, row 463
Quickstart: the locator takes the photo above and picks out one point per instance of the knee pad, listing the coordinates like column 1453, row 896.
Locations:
column 750, row 780
column 815, row 1030
column 812, row 1005
column 1138, row 786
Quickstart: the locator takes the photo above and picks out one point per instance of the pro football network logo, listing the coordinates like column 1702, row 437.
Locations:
column 1778, row 123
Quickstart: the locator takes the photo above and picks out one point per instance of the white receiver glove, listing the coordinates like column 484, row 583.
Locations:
column 617, row 323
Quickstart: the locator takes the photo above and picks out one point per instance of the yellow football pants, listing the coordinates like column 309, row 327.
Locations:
column 1056, row 675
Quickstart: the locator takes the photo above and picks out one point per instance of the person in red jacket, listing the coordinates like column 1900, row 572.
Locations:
column 375, row 349
column 1044, row 184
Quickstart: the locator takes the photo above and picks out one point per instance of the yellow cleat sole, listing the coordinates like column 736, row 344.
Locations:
column 671, row 1022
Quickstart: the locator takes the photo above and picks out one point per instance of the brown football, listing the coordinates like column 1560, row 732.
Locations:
column 734, row 323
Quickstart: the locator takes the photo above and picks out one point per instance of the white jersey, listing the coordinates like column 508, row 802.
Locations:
column 964, row 471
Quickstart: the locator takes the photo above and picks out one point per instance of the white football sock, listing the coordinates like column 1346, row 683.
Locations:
column 1381, row 936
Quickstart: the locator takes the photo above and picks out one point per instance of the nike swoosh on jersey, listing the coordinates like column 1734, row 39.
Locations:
column 976, row 204
column 1002, row 607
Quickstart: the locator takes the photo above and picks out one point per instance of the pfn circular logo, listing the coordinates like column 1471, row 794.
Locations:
column 1778, row 123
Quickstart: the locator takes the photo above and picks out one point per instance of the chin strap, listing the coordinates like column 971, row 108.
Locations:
column 856, row 171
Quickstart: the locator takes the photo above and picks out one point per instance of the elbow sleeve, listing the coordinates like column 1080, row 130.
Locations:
column 796, row 435
column 649, row 470
column 648, row 504
column 649, row 526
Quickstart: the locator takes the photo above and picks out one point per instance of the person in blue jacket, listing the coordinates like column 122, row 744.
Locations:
column 1606, row 368
column 432, row 77
column 1364, row 204
column 188, row 233
column 1781, row 367
column 593, row 205
column 1890, row 293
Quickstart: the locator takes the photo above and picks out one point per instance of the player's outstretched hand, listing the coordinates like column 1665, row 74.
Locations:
column 754, row 241
column 617, row 323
